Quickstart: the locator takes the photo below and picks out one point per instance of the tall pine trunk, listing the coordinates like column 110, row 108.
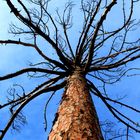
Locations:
column 76, row 118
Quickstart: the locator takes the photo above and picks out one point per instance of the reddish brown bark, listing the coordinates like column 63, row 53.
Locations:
column 76, row 118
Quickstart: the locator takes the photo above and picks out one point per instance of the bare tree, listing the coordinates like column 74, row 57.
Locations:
column 101, row 54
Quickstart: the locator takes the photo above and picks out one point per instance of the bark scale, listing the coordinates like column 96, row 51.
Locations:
column 76, row 118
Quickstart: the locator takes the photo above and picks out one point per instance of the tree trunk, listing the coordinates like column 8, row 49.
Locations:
column 76, row 118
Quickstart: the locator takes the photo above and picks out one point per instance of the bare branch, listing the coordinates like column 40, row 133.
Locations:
column 8, row 76
column 45, row 110
column 79, row 51
column 16, row 43
column 99, row 24
column 25, row 9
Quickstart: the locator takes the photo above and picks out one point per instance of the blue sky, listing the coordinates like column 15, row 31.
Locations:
column 13, row 58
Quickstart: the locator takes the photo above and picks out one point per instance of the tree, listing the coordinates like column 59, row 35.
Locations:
column 101, row 53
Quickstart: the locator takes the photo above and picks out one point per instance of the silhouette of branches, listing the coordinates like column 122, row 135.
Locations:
column 102, row 53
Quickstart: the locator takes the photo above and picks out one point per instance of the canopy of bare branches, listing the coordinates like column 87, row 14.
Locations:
column 102, row 53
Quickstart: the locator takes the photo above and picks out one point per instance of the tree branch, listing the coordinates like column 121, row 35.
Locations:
column 99, row 24
column 8, row 76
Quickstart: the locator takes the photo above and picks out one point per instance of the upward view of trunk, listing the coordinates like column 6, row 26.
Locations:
column 76, row 118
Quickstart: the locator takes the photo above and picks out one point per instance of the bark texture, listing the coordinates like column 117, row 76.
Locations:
column 76, row 118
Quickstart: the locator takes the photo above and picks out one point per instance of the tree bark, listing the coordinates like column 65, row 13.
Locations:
column 76, row 118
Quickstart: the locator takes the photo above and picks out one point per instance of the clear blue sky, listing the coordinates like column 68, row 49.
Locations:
column 13, row 58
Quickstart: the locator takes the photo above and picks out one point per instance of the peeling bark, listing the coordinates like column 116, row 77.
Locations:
column 76, row 118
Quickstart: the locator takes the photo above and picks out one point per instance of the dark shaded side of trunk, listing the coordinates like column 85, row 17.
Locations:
column 76, row 118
